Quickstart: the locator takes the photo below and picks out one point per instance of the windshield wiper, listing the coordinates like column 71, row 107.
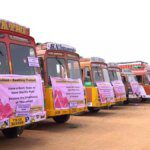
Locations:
column 60, row 63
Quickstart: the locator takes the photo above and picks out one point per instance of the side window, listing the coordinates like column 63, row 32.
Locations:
column 87, row 78
column 4, row 67
column 87, row 75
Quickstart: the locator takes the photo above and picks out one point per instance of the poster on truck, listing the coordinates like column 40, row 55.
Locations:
column 119, row 89
column 135, row 87
column 21, row 100
column 106, row 92
column 67, row 93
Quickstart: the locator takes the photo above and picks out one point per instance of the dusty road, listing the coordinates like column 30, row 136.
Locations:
column 121, row 128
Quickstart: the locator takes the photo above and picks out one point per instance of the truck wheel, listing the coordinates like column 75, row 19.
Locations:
column 126, row 102
column 61, row 119
column 143, row 100
column 93, row 109
column 13, row 132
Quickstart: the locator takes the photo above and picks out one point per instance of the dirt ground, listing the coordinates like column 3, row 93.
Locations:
column 120, row 128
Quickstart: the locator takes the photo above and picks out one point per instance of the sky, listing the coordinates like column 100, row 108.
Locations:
column 116, row 30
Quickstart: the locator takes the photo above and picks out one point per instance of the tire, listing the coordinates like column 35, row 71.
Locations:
column 93, row 109
column 61, row 119
column 111, row 106
column 143, row 100
column 13, row 132
column 126, row 102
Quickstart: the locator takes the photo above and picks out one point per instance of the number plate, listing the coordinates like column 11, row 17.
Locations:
column 73, row 104
column 18, row 121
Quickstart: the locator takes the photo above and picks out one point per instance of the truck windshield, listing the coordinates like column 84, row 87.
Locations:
column 4, row 67
column 113, row 75
column 119, row 76
column 74, row 69
column 97, row 74
column 131, row 78
column 106, row 75
column 19, row 56
column 56, row 67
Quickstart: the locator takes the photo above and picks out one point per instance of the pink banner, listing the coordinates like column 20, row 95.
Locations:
column 119, row 89
column 106, row 92
column 68, row 93
column 21, row 96
column 135, row 87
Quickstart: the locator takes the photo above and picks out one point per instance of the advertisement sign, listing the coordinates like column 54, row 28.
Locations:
column 21, row 100
column 106, row 92
column 119, row 89
column 135, row 87
column 68, row 93
column 33, row 62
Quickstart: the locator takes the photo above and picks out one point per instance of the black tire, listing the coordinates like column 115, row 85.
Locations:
column 111, row 106
column 126, row 102
column 93, row 109
column 143, row 100
column 13, row 132
column 61, row 119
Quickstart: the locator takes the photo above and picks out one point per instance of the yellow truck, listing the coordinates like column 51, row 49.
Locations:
column 96, row 81
column 60, row 70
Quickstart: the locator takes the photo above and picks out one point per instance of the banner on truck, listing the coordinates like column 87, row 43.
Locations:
column 106, row 92
column 21, row 100
column 135, row 87
column 119, row 89
column 68, row 93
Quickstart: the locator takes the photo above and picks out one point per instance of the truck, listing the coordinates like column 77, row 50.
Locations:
column 61, row 73
column 98, row 90
column 21, row 98
column 117, row 83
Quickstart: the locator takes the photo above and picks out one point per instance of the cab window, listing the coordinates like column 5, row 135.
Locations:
column 87, row 78
column 74, row 69
column 56, row 68
column 97, row 74
column 19, row 56
column 4, row 67
column 113, row 75
column 106, row 75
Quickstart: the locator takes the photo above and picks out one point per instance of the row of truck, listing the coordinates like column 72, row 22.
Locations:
column 50, row 80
